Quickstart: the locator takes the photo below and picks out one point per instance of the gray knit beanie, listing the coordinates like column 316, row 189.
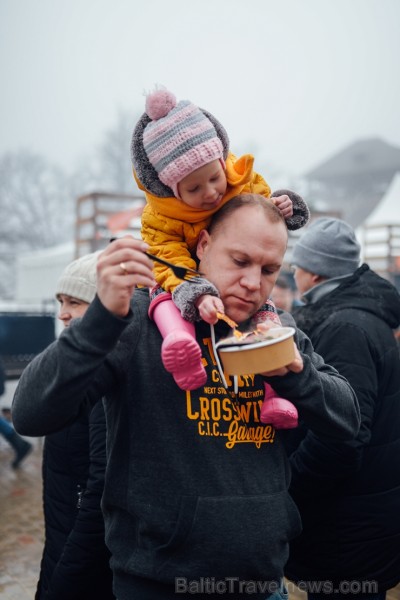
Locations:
column 328, row 247
column 79, row 278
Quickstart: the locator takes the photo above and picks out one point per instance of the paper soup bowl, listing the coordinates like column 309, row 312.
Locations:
column 258, row 357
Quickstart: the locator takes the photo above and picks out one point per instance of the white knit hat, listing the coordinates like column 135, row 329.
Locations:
column 79, row 278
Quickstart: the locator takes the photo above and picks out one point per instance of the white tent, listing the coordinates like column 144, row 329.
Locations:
column 377, row 231
column 387, row 212
column 38, row 272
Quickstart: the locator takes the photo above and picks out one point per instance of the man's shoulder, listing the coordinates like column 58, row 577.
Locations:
column 140, row 296
column 139, row 305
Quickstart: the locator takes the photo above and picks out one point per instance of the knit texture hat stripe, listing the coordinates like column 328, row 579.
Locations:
column 319, row 259
column 177, row 170
column 156, row 131
column 79, row 278
column 76, row 287
column 182, row 153
column 161, row 150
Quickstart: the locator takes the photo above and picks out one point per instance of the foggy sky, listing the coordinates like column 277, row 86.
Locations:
column 294, row 81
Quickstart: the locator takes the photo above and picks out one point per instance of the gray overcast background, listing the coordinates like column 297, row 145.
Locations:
column 294, row 81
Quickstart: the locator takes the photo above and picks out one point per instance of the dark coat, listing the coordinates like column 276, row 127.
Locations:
column 75, row 562
column 349, row 493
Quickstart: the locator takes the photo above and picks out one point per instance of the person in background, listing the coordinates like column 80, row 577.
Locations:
column 20, row 446
column 75, row 561
column 348, row 493
column 181, row 160
column 196, row 493
column 283, row 295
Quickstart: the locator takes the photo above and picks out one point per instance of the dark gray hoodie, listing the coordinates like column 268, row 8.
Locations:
column 196, row 486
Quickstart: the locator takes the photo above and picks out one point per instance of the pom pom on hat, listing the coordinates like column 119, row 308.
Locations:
column 301, row 212
column 179, row 139
column 159, row 104
column 79, row 278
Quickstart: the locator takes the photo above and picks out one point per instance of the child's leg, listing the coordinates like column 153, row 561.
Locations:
column 276, row 411
column 180, row 352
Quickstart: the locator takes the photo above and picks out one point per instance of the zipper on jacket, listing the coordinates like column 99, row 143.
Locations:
column 79, row 494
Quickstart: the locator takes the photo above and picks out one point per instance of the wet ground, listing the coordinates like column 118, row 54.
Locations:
column 21, row 525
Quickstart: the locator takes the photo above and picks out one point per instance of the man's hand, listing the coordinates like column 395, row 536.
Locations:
column 296, row 366
column 120, row 268
column 208, row 306
column 284, row 204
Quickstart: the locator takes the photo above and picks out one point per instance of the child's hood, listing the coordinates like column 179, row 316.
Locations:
column 239, row 172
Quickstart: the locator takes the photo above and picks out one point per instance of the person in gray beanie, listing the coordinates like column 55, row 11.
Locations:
column 353, row 488
column 328, row 247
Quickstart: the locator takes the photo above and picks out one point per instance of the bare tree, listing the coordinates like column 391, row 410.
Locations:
column 36, row 207
column 37, row 199
column 110, row 167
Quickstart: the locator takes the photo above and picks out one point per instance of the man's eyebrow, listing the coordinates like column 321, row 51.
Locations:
column 245, row 255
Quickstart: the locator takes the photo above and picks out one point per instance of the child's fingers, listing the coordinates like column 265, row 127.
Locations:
column 288, row 212
column 218, row 304
column 208, row 310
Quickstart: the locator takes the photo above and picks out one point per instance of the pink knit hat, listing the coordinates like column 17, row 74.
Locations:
column 179, row 139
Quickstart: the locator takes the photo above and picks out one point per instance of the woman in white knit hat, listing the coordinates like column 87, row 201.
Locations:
column 75, row 562
column 76, row 287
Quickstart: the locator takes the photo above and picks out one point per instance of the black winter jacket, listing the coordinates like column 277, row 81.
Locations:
column 75, row 562
column 349, row 493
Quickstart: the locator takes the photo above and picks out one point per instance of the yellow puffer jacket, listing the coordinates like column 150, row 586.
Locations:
column 171, row 227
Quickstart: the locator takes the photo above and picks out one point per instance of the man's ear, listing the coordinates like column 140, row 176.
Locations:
column 202, row 243
column 317, row 279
